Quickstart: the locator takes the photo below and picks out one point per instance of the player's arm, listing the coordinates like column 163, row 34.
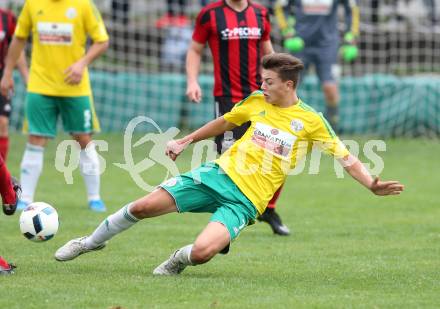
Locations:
column 351, row 17
column 358, row 171
column 240, row 114
column 96, row 50
column 266, row 44
column 211, row 129
column 266, row 47
column 284, row 15
column 14, row 52
column 23, row 68
column 75, row 72
column 322, row 134
column 193, row 59
column 282, row 10
column 349, row 49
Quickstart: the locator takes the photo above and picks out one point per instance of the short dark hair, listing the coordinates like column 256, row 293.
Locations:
column 287, row 66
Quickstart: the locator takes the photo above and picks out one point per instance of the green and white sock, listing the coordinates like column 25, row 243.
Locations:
column 183, row 255
column 31, row 167
column 114, row 224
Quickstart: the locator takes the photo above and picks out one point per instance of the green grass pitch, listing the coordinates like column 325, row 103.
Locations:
column 349, row 249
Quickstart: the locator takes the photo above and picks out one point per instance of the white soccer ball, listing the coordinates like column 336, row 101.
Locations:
column 39, row 221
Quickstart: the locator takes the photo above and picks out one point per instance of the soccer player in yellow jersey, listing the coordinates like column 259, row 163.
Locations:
column 58, row 85
column 237, row 186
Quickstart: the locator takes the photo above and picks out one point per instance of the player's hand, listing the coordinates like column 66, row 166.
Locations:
column 349, row 49
column 74, row 73
column 194, row 92
column 294, row 44
column 7, row 86
column 175, row 148
column 386, row 187
column 349, row 52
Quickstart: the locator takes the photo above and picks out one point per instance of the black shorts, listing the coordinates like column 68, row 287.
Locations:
column 222, row 106
column 5, row 106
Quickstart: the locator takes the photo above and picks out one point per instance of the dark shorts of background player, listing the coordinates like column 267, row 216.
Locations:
column 5, row 107
column 224, row 105
column 323, row 58
column 5, row 104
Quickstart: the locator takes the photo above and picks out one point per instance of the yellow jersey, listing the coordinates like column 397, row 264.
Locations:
column 276, row 141
column 59, row 31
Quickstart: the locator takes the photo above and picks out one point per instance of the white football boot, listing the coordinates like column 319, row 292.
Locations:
column 170, row 267
column 74, row 248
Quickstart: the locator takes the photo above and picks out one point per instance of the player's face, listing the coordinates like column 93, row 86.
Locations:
column 274, row 89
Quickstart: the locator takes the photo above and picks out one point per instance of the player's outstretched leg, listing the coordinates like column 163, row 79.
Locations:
column 213, row 239
column 157, row 203
column 114, row 224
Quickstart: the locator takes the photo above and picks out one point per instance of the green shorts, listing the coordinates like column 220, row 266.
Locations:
column 209, row 189
column 42, row 111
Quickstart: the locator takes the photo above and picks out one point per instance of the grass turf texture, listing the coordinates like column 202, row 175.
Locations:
column 348, row 248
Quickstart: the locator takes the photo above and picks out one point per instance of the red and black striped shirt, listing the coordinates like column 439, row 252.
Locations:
column 235, row 41
column 7, row 28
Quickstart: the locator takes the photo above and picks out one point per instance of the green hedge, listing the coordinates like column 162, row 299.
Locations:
column 375, row 104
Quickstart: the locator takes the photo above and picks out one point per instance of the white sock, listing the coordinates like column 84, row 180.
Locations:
column 89, row 167
column 184, row 255
column 114, row 224
column 31, row 167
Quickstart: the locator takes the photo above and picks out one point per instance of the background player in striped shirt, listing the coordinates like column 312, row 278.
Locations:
column 237, row 32
column 239, row 184
column 7, row 28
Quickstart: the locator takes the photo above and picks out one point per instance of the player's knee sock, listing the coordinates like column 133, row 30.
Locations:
column 273, row 202
column 89, row 167
column 183, row 255
column 114, row 224
column 4, row 147
column 6, row 190
column 31, row 167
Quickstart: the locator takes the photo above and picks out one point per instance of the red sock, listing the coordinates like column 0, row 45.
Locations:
column 273, row 201
column 4, row 147
column 6, row 190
